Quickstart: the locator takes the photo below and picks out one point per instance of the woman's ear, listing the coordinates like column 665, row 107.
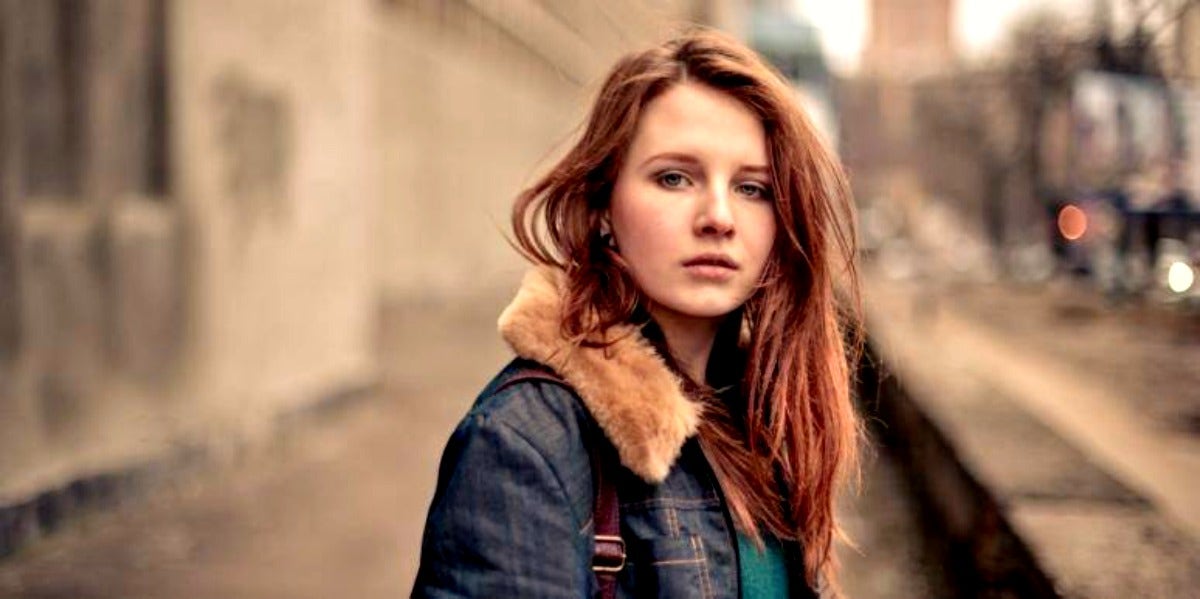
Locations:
column 606, row 232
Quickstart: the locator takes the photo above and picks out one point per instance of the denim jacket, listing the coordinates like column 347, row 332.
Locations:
column 512, row 512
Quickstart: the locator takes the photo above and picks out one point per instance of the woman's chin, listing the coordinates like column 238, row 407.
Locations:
column 702, row 308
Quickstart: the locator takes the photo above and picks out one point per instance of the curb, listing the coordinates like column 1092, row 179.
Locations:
column 967, row 528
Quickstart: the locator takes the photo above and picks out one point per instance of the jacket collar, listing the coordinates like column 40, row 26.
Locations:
column 636, row 399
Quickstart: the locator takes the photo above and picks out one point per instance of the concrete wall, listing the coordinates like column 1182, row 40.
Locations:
column 272, row 105
column 475, row 100
column 89, row 242
column 457, row 140
column 194, row 312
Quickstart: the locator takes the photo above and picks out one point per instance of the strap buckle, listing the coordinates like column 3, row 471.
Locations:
column 610, row 554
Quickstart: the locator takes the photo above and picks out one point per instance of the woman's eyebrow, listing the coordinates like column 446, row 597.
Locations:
column 692, row 160
column 676, row 156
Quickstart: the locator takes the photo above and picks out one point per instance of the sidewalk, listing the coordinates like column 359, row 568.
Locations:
column 334, row 507
column 1069, row 416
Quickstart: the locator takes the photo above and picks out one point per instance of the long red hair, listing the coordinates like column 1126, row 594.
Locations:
column 783, row 457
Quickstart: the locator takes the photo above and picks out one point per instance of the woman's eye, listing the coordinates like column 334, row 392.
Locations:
column 753, row 190
column 672, row 179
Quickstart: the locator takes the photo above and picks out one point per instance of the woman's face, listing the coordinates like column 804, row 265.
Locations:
column 692, row 211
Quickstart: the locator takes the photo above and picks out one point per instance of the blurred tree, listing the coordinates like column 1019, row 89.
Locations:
column 1138, row 51
column 1043, row 60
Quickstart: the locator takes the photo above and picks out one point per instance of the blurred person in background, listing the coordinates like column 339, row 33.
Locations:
column 677, row 422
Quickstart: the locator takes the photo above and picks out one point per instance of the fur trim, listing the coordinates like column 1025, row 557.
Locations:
column 637, row 401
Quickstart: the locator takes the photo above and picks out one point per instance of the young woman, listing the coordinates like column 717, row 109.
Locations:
column 686, row 340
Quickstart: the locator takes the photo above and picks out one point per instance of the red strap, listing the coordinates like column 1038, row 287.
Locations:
column 608, row 558
column 530, row 374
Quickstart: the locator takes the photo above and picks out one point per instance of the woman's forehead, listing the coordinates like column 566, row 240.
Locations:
column 698, row 120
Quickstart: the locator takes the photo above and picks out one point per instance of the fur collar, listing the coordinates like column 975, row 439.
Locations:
column 636, row 399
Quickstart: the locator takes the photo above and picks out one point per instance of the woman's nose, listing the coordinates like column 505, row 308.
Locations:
column 715, row 214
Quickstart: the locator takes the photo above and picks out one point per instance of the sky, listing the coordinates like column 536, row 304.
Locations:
column 979, row 24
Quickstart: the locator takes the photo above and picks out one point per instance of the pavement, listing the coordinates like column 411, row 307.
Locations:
column 890, row 557
column 334, row 504
column 1070, row 419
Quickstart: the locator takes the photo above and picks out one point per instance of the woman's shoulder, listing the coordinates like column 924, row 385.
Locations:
column 528, row 396
column 530, row 401
column 528, row 418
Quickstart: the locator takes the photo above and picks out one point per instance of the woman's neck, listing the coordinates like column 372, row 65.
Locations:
column 690, row 340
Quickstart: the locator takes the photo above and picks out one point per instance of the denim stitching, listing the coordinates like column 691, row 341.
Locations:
column 705, row 583
column 673, row 522
column 676, row 562
column 674, row 502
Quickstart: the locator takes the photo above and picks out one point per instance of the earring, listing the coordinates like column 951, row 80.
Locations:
column 606, row 236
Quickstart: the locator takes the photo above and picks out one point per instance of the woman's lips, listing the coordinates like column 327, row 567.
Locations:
column 716, row 267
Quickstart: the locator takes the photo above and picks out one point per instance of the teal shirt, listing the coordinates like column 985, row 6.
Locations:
column 764, row 574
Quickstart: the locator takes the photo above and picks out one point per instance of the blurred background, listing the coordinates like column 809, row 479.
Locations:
column 252, row 253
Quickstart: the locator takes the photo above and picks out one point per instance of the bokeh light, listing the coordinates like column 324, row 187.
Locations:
column 1072, row 222
column 1180, row 277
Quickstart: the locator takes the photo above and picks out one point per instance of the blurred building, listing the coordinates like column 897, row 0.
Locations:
column 203, row 203
column 909, row 42
column 909, row 38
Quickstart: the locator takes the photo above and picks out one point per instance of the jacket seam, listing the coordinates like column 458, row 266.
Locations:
column 674, row 502
column 705, row 577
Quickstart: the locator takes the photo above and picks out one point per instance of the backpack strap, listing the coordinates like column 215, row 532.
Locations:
column 608, row 556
